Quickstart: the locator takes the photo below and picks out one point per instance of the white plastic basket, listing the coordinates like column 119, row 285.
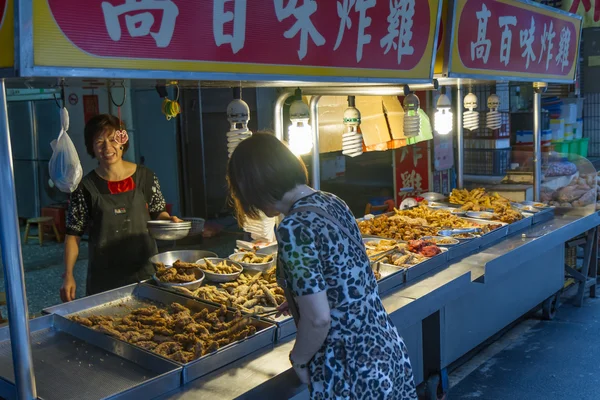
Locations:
column 197, row 226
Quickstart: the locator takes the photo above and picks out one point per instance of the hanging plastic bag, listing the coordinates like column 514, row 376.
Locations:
column 64, row 167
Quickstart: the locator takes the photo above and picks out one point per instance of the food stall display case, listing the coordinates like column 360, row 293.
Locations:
column 443, row 307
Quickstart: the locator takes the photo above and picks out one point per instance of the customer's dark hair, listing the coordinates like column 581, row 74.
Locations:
column 261, row 170
column 97, row 125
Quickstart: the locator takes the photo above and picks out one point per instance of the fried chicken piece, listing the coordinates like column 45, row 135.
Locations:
column 210, row 347
column 161, row 339
column 163, row 330
column 167, row 348
column 201, row 316
column 147, row 345
column 196, row 328
column 82, row 320
column 139, row 336
column 147, row 311
column 185, row 265
column 109, row 331
column 99, row 319
column 178, row 308
column 184, row 278
column 181, row 356
column 244, row 333
column 223, row 342
column 152, row 320
column 129, row 328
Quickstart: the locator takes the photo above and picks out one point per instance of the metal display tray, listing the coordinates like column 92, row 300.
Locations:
column 73, row 362
column 285, row 324
column 120, row 301
column 391, row 276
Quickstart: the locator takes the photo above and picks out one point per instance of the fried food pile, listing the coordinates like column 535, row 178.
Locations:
column 249, row 293
column 180, row 272
column 253, row 258
column 387, row 227
column 424, row 247
column 176, row 333
column 434, row 218
column 404, row 257
column 477, row 199
column 221, row 268
column 505, row 213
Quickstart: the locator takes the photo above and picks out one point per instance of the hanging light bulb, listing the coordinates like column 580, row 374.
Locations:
column 412, row 120
column 493, row 118
column 299, row 132
column 238, row 115
column 443, row 116
column 470, row 117
column 352, row 140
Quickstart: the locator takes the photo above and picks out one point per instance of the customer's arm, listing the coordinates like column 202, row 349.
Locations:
column 313, row 327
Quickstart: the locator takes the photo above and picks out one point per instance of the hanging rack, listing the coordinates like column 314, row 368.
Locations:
column 110, row 96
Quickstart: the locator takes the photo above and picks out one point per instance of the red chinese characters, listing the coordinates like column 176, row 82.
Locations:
column 369, row 34
column 497, row 36
column 3, row 4
column 412, row 170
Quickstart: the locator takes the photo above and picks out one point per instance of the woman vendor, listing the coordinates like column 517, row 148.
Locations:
column 113, row 204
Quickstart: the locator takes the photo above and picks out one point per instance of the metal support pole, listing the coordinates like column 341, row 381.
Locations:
column 314, row 123
column 460, row 142
column 538, row 89
column 12, row 260
column 278, row 117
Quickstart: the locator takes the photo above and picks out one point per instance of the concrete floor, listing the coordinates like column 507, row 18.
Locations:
column 556, row 360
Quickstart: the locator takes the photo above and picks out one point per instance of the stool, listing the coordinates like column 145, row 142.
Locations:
column 40, row 221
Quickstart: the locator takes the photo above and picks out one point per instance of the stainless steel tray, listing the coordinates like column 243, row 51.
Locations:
column 424, row 267
column 391, row 276
column 120, row 301
column 73, row 362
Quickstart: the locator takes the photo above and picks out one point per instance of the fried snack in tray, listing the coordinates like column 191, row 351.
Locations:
column 477, row 199
column 386, row 227
column 220, row 268
column 178, row 273
column 505, row 213
column 175, row 333
column 433, row 218
column 249, row 293
column 404, row 257
column 253, row 258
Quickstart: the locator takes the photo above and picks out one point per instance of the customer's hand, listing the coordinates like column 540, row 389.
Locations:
column 303, row 375
column 68, row 289
column 284, row 309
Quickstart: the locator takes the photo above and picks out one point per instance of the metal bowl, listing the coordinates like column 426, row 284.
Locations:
column 480, row 214
column 435, row 239
column 188, row 285
column 219, row 278
column 167, row 230
column 263, row 267
column 189, row 256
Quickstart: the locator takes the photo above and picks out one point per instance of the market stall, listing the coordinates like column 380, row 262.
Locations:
column 446, row 294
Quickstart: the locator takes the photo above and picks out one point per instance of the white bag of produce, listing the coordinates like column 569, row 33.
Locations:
column 65, row 167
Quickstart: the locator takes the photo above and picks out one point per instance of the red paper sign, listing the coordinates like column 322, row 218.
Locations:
column 412, row 170
column 90, row 106
column 365, row 34
column 509, row 38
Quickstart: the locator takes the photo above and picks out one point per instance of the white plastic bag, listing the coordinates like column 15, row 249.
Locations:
column 65, row 168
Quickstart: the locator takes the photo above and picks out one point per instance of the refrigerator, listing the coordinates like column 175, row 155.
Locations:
column 33, row 125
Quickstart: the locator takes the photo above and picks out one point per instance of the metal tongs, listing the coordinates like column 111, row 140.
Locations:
column 380, row 256
column 452, row 232
column 265, row 314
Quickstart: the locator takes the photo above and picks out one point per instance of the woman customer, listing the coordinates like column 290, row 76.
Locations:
column 346, row 345
column 113, row 204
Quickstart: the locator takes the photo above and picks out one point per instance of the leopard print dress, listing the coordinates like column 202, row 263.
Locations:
column 363, row 356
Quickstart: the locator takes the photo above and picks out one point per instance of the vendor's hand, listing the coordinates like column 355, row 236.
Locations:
column 68, row 289
column 284, row 309
column 303, row 375
column 175, row 219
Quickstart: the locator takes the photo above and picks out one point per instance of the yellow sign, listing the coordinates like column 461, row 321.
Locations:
column 512, row 40
column 7, row 54
column 442, row 38
column 588, row 9
column 265, row 38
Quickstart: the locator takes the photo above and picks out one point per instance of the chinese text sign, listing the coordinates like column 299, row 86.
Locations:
column 393, row 36
column 512, row 39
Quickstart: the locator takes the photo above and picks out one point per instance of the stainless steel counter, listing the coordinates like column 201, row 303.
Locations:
column 267, row 371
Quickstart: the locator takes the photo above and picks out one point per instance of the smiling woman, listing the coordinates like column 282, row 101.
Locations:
column 112, row 204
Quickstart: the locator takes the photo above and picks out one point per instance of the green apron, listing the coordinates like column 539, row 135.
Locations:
column 120, row 245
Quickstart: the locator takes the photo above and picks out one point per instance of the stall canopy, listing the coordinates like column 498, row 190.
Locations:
column 512, row 40
column 329, row 41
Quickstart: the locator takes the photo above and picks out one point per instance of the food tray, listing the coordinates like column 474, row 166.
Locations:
column 518, row 226
column 426, row 266
column 73, row 362
column 544, row 215
column 119, row 302
column 492, row 236
column 391, row 277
